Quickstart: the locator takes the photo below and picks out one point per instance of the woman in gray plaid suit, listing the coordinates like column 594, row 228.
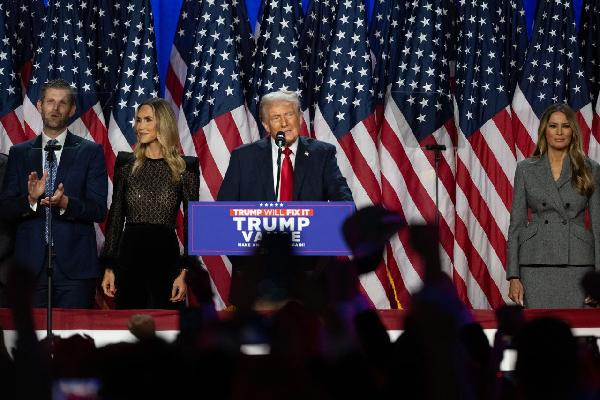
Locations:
column 548, row 256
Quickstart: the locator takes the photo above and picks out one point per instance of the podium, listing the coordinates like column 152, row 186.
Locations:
column 237, row 228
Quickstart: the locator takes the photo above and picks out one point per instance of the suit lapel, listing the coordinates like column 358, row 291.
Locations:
column 264, row 159
column 565, row 173
column 67, row 156
column 35, row 157
column 544, row 174
column 300, row 165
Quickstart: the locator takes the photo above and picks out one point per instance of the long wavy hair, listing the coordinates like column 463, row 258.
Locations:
column 167, row 135
column 582, row 178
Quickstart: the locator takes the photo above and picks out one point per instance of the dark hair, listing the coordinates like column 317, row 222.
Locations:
column 59, row 84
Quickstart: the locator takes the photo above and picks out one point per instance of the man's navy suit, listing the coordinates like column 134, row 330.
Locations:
column 7, row 242
column 317, row 176
column 82, row 171
column 249, row 177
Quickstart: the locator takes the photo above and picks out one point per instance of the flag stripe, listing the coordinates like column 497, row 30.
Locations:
column 97, row 130
column 405, row 162
column 525, row 124
column 477, row 266
column 231, row 135
column 208, row 166
column 493, row 172
column 480, row 210
column 360, row 167
column 220, row 275
column 173, row 89
column 12, row 128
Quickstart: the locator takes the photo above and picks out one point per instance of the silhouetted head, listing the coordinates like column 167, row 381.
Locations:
column 366, row 233
column 547, row 359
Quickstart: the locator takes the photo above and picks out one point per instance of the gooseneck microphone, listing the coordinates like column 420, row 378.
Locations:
column 52, row 147
column 280, row 139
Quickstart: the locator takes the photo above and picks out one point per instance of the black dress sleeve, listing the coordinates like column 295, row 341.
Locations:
column 191, row 191
column 116, row 215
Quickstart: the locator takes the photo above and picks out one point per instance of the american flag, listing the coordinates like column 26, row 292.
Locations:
column 104, row 25
column 314, row 48
column 11, row 129
column 259, row 18
column 62, row 54
column 276, row 58
column 510, row 35
column 24, row 22
column 589, row 40
column 419, row 112
column 213, row 118
column 136, row 70
column 486, row 162
column 387, row 25
column 246, row 45
column 379, row 26
column 552, row 73
column 181, row 52
column 345, row 117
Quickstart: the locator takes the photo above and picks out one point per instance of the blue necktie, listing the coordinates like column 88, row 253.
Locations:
column 48, row 192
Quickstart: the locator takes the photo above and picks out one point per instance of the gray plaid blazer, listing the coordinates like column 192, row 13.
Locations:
column 556, row 234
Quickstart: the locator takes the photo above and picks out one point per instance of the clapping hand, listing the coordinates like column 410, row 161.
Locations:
column 36, row 186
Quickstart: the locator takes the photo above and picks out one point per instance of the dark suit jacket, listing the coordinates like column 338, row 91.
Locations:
column 7, row 240
column 317, row 176
column 82, row 170
column 556, row 234
column 249, row 177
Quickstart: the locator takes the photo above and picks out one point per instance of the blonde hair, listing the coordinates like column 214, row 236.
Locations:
column 582, row 178
column 167, row 135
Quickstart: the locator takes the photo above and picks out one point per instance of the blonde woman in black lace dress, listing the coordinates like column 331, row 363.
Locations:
column 143, row 266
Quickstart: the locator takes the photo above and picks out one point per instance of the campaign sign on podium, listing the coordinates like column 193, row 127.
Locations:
column 236, row 228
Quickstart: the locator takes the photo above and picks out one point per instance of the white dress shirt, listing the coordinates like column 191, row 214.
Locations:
column 274, row 153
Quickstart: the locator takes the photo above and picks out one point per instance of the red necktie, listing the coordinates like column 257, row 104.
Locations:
column 286, row 192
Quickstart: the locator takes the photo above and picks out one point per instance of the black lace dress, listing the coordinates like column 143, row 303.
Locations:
column 141, row 241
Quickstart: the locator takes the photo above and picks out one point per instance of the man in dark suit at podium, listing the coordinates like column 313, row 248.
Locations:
column 252, row 171
column 76, row 200
column 309, row 169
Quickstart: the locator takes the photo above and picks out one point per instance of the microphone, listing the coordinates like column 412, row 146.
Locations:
column 280, row 139
column 52, row 147
column 435, row 147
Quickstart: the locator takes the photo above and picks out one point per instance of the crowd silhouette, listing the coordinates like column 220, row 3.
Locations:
column 321, row 340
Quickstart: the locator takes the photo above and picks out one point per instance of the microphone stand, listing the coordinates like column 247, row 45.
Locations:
column 49, row 269
column 278, row 171
column 436, row 148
